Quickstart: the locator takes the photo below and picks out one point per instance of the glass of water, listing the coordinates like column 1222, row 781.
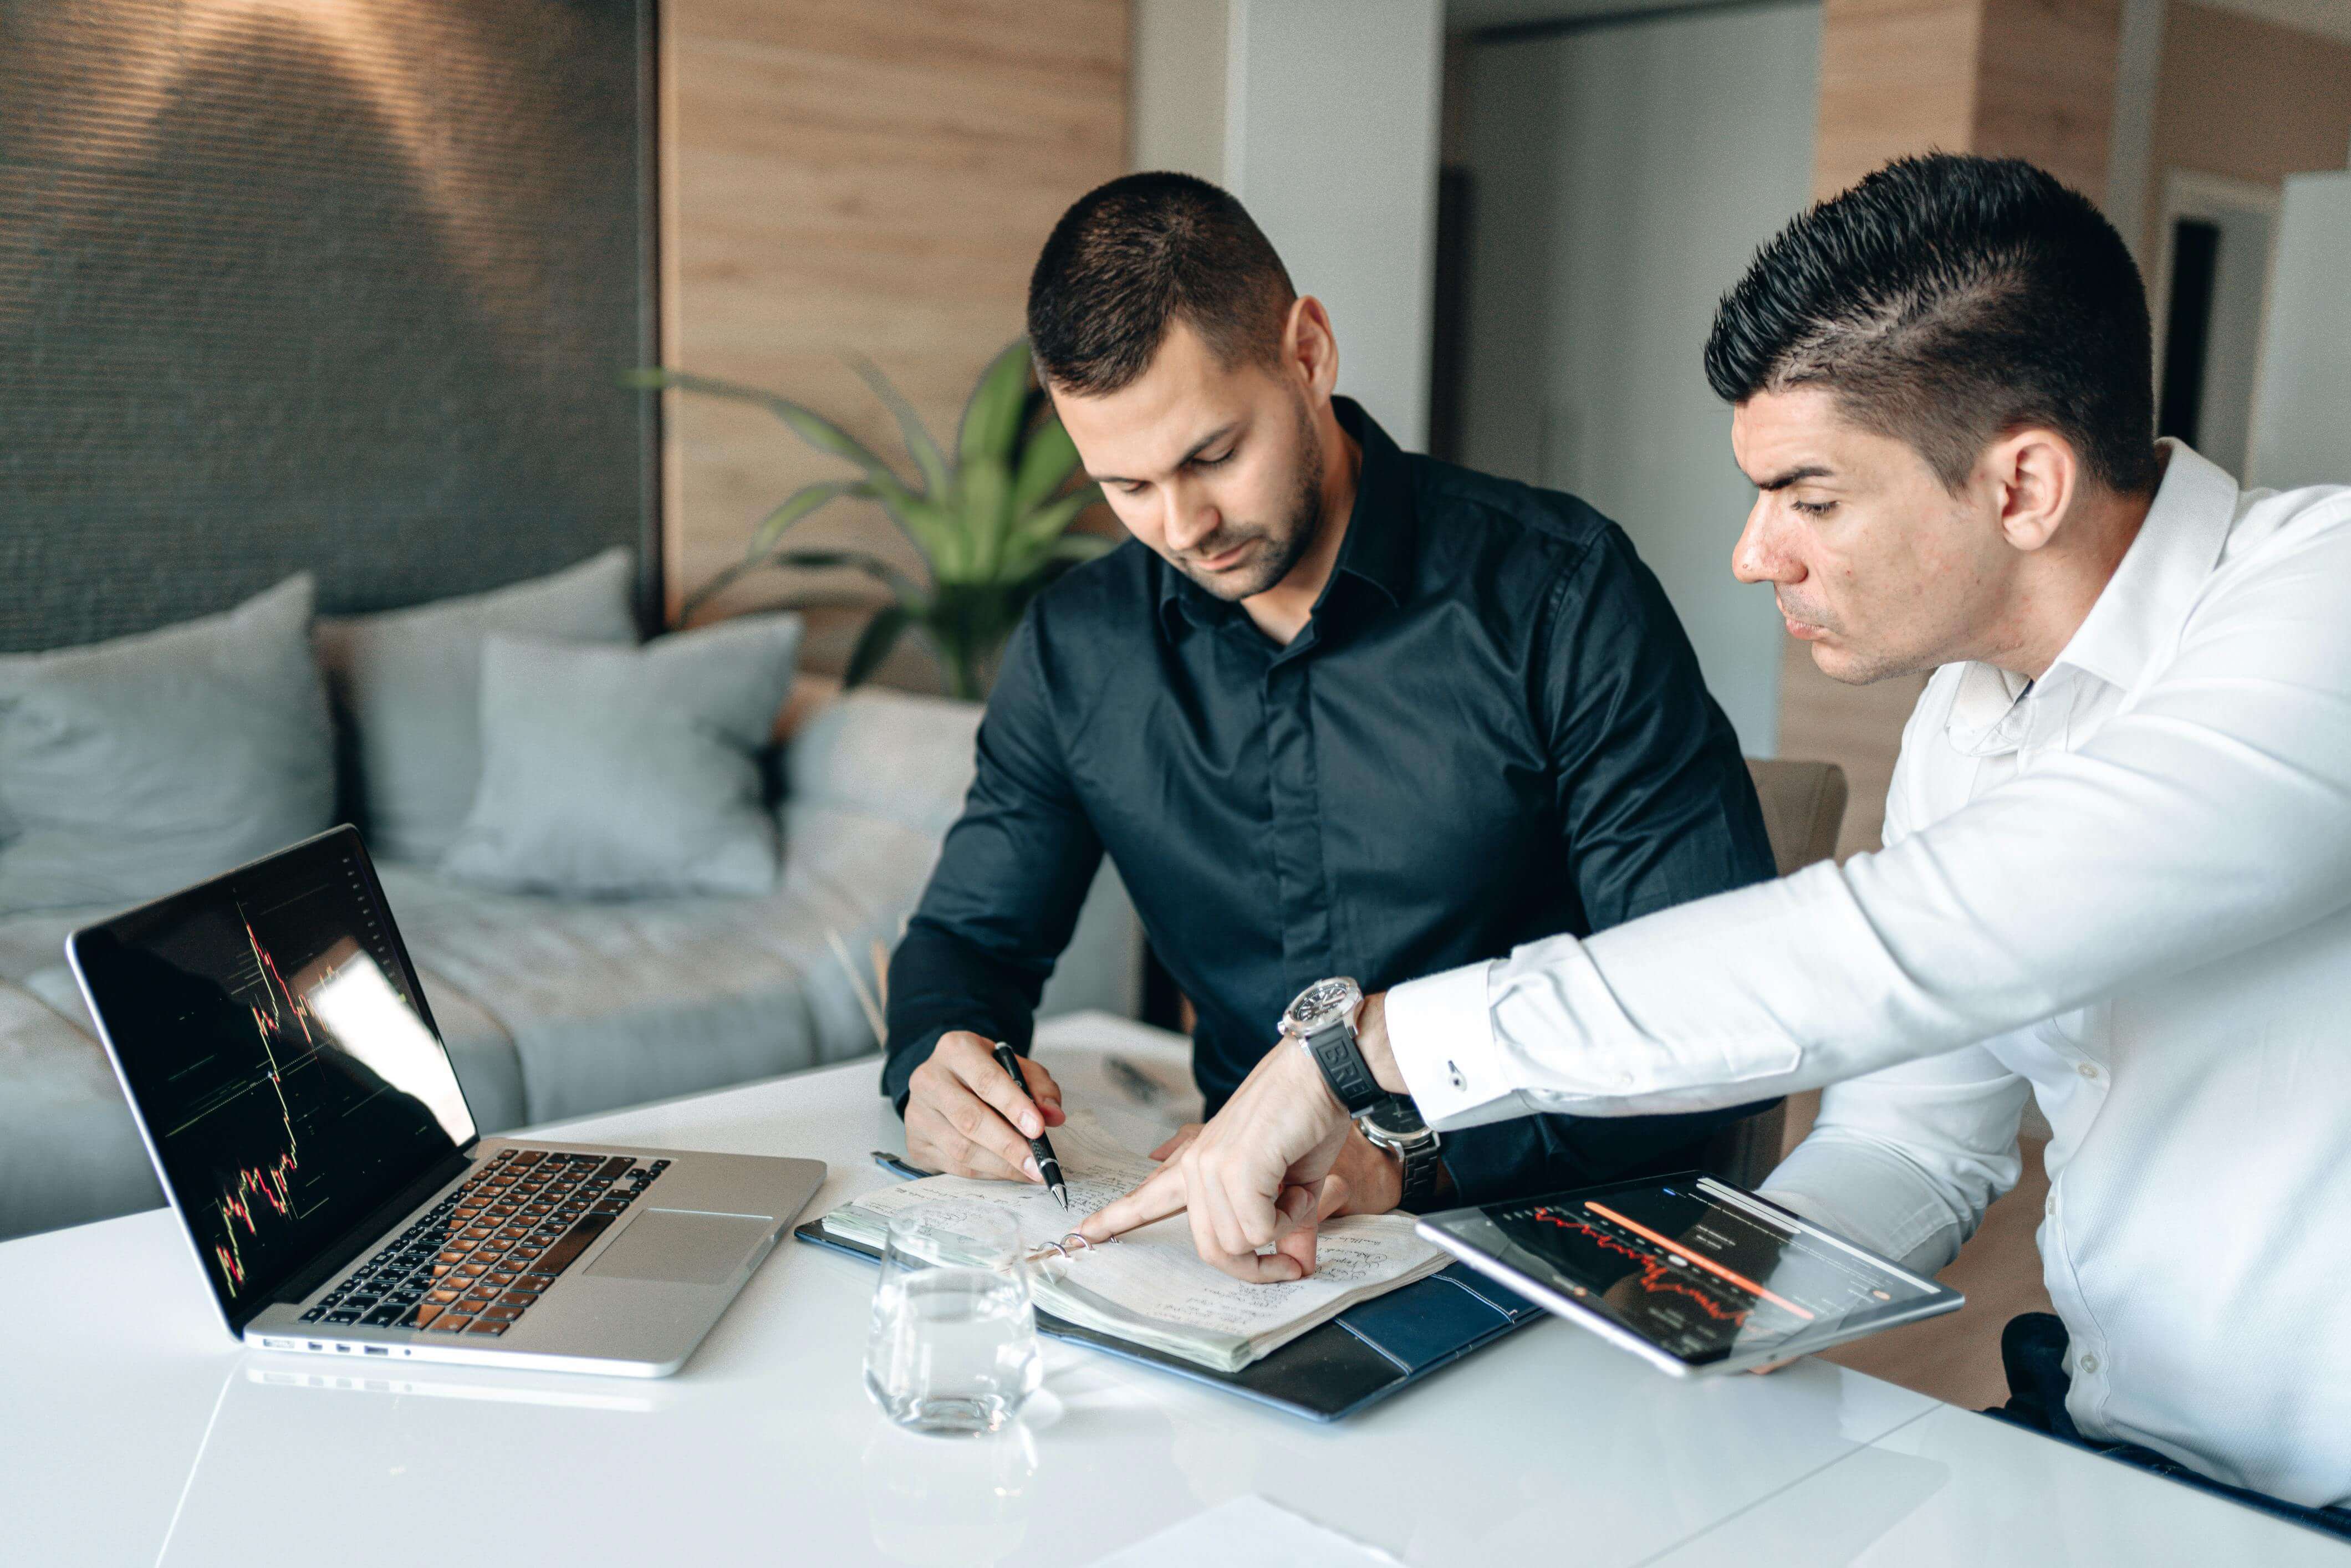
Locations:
column 953, row 1344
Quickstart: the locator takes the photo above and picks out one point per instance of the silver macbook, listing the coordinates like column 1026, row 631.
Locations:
column 301, row 1111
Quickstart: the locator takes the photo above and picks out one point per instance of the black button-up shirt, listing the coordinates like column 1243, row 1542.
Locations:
column 1492, row 730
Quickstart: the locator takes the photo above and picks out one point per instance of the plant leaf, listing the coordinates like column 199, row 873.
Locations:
column 905, row 589
column 928, row 460
column 991, row 420
column 983, row 488
column 873, row 644
column 1081, row 548
column 1045, row 463
column 797, row 505
column 1049, row 521
column 804, row 421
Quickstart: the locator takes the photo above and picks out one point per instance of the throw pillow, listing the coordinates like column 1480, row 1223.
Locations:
column 613, row 772
column 131, row 767
column 408, row 682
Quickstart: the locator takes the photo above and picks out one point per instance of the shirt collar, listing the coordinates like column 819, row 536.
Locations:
column 2135, row 618
column 1378, row 549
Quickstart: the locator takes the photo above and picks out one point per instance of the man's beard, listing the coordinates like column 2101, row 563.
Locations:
column 1285, row 542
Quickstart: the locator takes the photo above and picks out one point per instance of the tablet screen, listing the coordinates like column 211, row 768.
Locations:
column 1693, row 1267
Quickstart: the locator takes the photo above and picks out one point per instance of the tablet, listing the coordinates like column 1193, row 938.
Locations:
column 1690, row 1273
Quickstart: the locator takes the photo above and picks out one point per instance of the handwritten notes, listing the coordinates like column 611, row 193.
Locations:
column 1150, row 1287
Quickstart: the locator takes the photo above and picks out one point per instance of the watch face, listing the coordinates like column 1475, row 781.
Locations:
column 1320, row 1002
column 1397, row 1117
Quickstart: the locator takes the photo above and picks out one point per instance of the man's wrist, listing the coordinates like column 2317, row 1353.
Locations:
column 1372, row 1040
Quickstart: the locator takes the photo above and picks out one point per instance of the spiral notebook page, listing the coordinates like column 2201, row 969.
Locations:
column 1151, row 1286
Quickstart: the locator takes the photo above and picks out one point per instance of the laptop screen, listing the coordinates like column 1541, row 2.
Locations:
column 279, row 1056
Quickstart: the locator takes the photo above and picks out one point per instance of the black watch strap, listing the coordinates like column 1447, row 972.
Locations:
column 1343, row 1067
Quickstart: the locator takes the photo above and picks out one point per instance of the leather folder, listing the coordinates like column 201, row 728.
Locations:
column 1370, row 1351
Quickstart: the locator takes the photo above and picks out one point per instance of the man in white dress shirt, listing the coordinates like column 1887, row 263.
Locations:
column 2116, row 877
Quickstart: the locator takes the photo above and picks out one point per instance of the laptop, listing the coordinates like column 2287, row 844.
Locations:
column 290, row 1085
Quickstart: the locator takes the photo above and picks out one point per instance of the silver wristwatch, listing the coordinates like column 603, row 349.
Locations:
column 1322, row 1022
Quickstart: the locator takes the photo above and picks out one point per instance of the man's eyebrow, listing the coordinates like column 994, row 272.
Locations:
column 1193, row 451
column 1781, row 481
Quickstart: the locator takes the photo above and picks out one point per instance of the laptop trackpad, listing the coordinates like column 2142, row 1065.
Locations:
column 680, row 1245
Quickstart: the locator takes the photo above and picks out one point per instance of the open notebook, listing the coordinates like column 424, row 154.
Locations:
column 1150, row 1287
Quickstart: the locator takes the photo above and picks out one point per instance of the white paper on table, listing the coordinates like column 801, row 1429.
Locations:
column 1248, row 1532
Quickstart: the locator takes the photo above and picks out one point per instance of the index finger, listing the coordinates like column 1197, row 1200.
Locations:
column 987, row 1080
column 1160, row 1195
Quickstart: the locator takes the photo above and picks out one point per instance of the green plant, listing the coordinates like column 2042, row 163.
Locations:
column 991, row 524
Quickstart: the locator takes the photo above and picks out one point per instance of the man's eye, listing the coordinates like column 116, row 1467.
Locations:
column 1814, row 509
column 1216, row 462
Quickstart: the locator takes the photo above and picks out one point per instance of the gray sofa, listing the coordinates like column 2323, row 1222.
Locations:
column 555, row 1007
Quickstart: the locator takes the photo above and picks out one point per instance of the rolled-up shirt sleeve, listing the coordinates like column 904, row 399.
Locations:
column 2206, row 817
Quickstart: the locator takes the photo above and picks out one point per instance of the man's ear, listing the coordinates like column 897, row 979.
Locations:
column 2036, row 476
column 1310, row 348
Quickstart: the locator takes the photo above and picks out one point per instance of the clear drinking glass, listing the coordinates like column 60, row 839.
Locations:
column 953, row 1344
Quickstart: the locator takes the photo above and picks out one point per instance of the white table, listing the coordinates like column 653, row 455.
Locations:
column 133, row 1429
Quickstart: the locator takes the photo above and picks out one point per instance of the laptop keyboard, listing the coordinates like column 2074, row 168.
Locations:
column 484, row 1254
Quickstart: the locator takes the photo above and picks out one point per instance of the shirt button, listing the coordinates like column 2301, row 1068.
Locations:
column 2050, row 1206
column 2088, row 1069
column 1624, row 1080
column 1461, row 1080
column 2088, row 1363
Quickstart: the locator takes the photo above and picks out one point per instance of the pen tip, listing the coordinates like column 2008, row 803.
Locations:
column 1062, row 1193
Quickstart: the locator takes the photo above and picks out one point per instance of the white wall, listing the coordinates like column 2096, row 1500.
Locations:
column 1176, row 86
column 2302, row 414
column 1330, row 142
column 1622, row 177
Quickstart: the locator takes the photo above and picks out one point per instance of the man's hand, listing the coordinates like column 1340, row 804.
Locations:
column 1365, row 1179
column 964, row 1117
column 1253, row 1177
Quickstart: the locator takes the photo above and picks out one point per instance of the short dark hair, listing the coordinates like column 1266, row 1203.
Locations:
column 1946, row 300
column 1131, row 257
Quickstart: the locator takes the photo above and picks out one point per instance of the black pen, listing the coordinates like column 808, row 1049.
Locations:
column 1047, row 1165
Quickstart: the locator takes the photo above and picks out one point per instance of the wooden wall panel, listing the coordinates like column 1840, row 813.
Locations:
column 1896, row 77
column 2045, row 86
column 859, row 177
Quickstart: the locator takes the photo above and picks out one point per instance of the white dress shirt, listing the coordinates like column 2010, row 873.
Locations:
column 2125, row 890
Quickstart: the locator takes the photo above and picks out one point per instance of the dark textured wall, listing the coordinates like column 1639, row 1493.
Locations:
column 340, row 285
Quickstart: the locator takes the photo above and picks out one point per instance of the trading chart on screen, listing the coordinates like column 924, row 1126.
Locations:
column 1697, row 1275
column 285, row 1070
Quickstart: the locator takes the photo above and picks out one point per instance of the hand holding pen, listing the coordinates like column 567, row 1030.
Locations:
column 966, row 1116
column 1049, row 1169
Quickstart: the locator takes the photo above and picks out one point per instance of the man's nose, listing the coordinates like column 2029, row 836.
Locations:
column 1191, row 517
column 1758, row 556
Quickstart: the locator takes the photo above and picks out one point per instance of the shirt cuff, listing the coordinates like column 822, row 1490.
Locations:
column 1441, row 1032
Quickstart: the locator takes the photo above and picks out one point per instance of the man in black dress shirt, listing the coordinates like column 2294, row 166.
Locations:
column 1335, row 709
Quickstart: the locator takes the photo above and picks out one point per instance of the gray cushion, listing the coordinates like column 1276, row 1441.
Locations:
column 68, row 1149
column 628, row 772
column 409, row 685
column 131, row 767
column 888, row 754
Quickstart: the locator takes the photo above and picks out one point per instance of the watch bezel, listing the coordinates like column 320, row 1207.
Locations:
column 1345, row 1000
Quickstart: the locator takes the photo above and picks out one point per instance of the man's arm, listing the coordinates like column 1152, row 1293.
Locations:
column 1908, row 1159
column 1656, row 808
column 1011, row 878
column 2207, row 819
